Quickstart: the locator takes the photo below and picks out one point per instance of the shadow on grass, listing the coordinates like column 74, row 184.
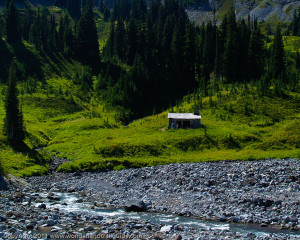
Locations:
column 5, row 59
column 31, row 153
column 31, row 64
column 54, row 61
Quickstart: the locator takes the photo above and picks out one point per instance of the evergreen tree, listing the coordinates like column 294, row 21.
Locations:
column 74, row 8
column 52, row 44
column 101, row 7
column 294, row 27
column 177, row 57
column 277, row 61
column 219, row 55
column 110, row 46
column 209, row 49
column 119, row 39
column 7, row 3
column 189, row 57
column 106, row 14
column 138, row 78
column 256, row 53
column 27, row 21
column 65, row 34
column 45, row 29
column 1, row 27
column 35, row 34
column 12, row 34
column 60, row 3
column 167, row 36
column 13, row 122
column 87, row 38
column 131, row 38
column 84, row 4
column 221, row 35
column 243, row 36
column 230, row 50
column 297, row 60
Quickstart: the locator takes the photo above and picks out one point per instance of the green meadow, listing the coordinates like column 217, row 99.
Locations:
column 237, row 124
column 91, row 138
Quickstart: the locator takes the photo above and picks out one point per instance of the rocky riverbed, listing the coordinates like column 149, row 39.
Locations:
column 264, row 193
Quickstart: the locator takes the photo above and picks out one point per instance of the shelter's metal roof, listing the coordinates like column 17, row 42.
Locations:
column 183, row 116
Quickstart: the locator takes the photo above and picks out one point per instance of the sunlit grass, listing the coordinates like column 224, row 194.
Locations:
column 240, row 125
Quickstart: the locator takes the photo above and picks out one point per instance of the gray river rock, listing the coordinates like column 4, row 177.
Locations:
column 260, row 196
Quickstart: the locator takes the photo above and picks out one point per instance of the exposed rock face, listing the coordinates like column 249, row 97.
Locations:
column 263, row 10
column 267, row 9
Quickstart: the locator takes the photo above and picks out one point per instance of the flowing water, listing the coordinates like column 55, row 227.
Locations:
column 165, row 219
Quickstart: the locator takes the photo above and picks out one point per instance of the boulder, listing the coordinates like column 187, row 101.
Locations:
column 179, row 237
column 89, row 228
column 222, row 219
column 135, row 206
column 50, row 222
column 42, row 205
column 30, row 226
column 53, row 197
column 166, row 229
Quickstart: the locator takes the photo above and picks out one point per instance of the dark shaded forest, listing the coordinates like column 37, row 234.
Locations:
column 154, row 55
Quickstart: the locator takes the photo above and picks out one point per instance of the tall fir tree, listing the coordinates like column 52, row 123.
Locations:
column 256, row 53
column 131, row 38
column 177, row 58
column 87, row 39
column 231, row 51
column 7, row 3
column 27, row 21
column 209, row 49
column 74, row 8
column 101, row 6
column 35, row 34
column 11, row 24
column 243, row 37
column 13, row 121
column 277, row 61
column 119, row 39
column 189, row 57
column 109, row 49
column 297, row 60
column 106, row 14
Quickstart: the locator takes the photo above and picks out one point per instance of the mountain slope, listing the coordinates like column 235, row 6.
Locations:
column 263, row 10
column 202, row 10
column 36, row 3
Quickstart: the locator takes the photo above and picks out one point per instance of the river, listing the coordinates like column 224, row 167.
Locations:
column 164, row 219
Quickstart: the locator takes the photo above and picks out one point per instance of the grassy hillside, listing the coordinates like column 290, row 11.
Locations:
column 270, row 129
column 61, row 121
column 90, row 138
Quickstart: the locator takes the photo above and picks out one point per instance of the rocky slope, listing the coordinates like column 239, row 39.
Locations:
column 263, row 10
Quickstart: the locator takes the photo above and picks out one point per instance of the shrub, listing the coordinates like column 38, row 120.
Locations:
column 193, row 143
column 124, row 149
column 119, row 167
column 68, row 167
column 36, row 170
